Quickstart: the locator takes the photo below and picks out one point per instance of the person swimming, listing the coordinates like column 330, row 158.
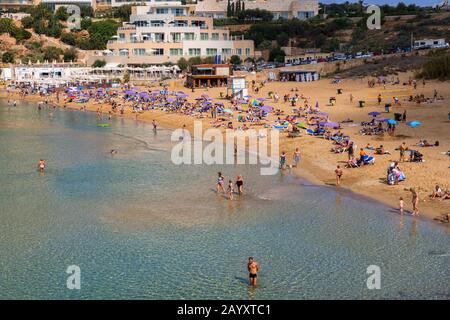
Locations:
column 41, row 165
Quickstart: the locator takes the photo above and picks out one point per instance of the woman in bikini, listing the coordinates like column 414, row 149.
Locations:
column 220, row 180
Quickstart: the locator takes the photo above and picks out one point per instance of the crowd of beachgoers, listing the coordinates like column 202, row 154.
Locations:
column 289, row 109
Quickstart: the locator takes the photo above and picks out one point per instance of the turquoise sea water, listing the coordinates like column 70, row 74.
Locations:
column 140, row 227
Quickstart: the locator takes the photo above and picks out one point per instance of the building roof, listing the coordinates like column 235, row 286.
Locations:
column 211, row 65
column 270, row 5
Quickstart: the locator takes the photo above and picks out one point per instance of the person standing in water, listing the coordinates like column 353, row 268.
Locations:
column 296, row 157
column 339, row 173
column 220, row 180
column 415, row 202
column 240, row 184
column 253, row 268
column 41, row 165
column 401, row 205
column 283, row 160
column 155, row 125
column 230, row 190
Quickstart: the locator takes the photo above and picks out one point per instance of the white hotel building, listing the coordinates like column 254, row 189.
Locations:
column 166, row 31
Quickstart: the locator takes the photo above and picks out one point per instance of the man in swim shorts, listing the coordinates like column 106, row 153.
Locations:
column 253, row 269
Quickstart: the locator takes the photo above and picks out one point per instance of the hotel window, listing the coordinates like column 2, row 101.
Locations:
column 133, row 37
column 176, row 52
column 225, row 36
column 122, row 36
column 180, row 23
column 147, row 36
column 214, row 36
column 158, row 52
column 123, row 52
column 284, row 15
column 189, row 36
column 211, row 51
column 239, row 51
column 204, row 36
column 177, row 12
column 176, row 37
column 159, row 37
column 194, row 51
column 305, row 14
column 162, row 10
column 247, row 51
column 139, row 52
column 226, row 51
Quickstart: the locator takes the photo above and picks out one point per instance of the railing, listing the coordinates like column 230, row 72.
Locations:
column 127, row 28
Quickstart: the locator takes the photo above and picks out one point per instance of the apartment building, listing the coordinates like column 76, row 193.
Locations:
column 166, row 31
column 16, row 4
column 287, row 9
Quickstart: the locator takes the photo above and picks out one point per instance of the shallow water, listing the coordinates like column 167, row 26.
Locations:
column 140, row 227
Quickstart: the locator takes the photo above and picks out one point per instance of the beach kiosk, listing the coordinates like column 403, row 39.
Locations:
column 209, row 75
column 237, row 86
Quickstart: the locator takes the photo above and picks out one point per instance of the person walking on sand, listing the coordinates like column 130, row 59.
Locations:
column 415, row 202
column 296, row 157
column 402, row 150
column 41, row 165
column 253, row 268
column 339, row 174
column 220, row 180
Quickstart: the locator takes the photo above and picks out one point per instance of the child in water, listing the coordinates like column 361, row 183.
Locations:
column 401, row 205
column 230, row 189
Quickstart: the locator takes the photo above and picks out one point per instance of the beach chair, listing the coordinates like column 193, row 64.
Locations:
column 366, row 159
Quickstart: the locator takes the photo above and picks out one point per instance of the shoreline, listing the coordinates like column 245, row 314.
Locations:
column 310, row 169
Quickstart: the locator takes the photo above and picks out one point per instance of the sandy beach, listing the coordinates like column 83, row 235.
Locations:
column 317, row 161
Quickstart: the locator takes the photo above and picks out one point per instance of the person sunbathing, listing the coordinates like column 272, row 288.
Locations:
column 446, row 194
column 437, row 192
column 352, row 163
column 370, row 147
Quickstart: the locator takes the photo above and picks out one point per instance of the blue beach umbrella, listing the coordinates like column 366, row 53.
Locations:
column 413, row 124
column 391, row 121
column 374, row 113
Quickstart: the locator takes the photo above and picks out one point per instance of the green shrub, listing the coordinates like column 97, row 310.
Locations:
column 8, row 57
column 99, row 64
column 438, row 67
